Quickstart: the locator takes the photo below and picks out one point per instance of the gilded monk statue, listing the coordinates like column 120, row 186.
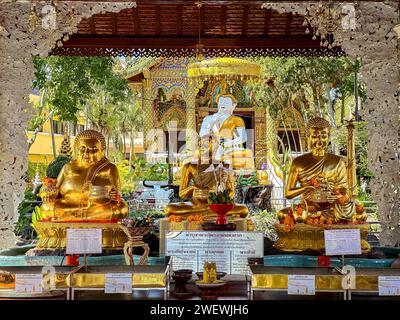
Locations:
column 88, row 186
column 320, row 178
column 197, row 182
column 222, row 136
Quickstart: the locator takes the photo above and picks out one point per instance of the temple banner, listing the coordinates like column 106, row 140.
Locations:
column 230, row 250
column 342, row 242
column 84, row 241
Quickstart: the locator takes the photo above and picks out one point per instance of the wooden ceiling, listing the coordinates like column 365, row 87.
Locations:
column 175, row 25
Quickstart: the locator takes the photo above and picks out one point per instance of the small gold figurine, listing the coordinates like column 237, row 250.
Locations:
column 88, row 186
column 210, row 272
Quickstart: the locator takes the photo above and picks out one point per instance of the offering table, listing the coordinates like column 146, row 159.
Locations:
column 155, row 277
column 59, row 281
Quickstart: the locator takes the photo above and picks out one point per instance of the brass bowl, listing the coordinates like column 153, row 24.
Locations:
column 200, row 196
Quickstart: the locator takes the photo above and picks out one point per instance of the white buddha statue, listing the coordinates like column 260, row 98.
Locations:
column 229, row 132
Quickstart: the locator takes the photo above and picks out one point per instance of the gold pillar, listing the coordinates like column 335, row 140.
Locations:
column 351, row 159
column 260, row 137
column 148, row 114
column 270, row 132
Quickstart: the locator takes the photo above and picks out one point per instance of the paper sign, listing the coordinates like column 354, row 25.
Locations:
column 118, row 283
column 342, row 242
column 229, row 250
column 29, row 283
column 301, row 284
column 84, row 241
column 389, row 285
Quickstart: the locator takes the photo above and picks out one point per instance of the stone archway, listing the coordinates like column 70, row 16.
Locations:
column 17, row 45
column 376, row 42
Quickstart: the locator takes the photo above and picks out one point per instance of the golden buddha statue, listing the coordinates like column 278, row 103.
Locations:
column 321, row 179
column 88, row 186
column 196, row 183
column 230, row 133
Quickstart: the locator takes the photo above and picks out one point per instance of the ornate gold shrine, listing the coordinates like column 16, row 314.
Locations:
column 53, row 235
column 305, row 236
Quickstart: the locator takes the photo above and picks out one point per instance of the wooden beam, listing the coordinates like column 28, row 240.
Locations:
column 289, row 19
column 223, row 19
column 179, row 19
column 267, row 19
column 187, row 43
column 202, row 21
column 92, row 25
column 246, row 10
column 114, row 23
column 136, row 20
column 157, row 19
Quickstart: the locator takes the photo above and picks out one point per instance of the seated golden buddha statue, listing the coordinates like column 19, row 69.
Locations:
column 196, row 183
column 88, row 186
column 321, row 179
column 230, row 133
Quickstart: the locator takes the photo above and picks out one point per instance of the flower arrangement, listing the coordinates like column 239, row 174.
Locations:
column 49, row 181
column 175, row 218
column 196, row 218
column 139, row 225
column 220, row 197
column 265, row 221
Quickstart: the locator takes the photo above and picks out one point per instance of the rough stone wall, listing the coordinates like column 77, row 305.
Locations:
column 377, row 44
column 17, row 45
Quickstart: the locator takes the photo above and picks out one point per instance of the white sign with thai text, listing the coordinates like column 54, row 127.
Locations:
column 84, row 241
column 29, row 283
column 229, row 249
column 342, row 242
column 301, row 284
column 389, row 285
column 118, row 283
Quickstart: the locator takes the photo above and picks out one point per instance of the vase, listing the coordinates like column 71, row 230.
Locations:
column 221, row 210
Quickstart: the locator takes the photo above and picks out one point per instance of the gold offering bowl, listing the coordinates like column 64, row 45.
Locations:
column 200, row 197
column 99, row 194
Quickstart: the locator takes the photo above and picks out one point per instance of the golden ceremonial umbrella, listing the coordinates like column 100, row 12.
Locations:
column 228, row 69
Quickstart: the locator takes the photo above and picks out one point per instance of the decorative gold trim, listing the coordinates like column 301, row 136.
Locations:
column 61, row 281
column 280, row 281
column 305, row 236
column 52, row 235
column 139, row 280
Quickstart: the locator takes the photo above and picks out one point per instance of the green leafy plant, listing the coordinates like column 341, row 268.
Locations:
column 36, row 216
column 23, row 225
column 220, row 197
column 56, row 165
column 251, row 180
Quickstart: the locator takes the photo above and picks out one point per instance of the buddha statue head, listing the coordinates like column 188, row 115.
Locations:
column 89, row 147
column 318, row 132
column 226, row 103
